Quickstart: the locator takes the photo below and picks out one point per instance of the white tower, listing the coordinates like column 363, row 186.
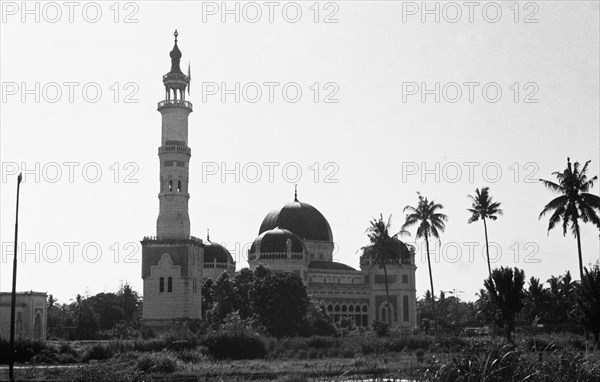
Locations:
column 173, row 219
column 172, row 260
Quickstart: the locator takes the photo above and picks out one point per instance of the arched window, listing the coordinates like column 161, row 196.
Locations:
column 170, row 185
column 329, row 308
column 344, row 308
column 337, row 308
column 383, row 311
column 179, row 186
column 161, row 285
column 351, row 309
column 170, row 285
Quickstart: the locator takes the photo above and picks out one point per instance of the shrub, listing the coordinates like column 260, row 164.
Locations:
column 496, row 362
column 162, row 362
column 98, row 352
column 420, row 353
column 381, row 329
column 66, row 348
column 235, row 346
column 24, row 350
column 151, row 345
column 180, row 345
column 193, row 356
column 321, row 342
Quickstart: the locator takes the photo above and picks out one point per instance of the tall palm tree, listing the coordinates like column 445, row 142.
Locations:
column 484, row 208
column 575, row 202
column 383, row 250
column 505, row 290
column 430, row 224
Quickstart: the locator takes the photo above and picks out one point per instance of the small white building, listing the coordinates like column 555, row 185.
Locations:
column 30, row 315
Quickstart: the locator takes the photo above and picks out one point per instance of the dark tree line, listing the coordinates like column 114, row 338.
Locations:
column 565, row 304
column 104, row 315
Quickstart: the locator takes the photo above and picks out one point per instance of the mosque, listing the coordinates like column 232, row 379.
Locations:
column 294, row 238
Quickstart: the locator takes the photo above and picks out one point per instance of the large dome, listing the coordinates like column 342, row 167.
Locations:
column 216, row 251
column 302, row 219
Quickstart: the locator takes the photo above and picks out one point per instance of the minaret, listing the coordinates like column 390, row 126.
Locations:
column 172, row 261
column 173, row 219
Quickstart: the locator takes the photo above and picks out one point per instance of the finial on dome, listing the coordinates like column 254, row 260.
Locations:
column 295, row 192
column 176, row 34
column 207, row 230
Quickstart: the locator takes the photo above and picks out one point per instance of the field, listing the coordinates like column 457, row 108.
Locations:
column 563, row 357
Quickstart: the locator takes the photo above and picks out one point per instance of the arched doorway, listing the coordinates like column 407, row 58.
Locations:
column 37, row 327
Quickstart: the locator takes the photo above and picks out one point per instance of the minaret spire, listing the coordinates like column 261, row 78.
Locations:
column 295, row 192
column 207, row 234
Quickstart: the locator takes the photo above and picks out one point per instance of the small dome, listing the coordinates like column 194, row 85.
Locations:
column 275, row 241
column 300, row 218
column 175, row 57
column 216, row 251
column 175, row 53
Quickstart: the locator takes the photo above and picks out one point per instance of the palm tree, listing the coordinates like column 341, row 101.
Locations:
column 483, row 207
column 561, row 298
column 384, row 249
column 537, row 300
column 430, row 223
column 505, row 291
column 575, row 202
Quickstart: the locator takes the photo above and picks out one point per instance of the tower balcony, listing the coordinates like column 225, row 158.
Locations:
column 174, row 149
column 175, row 103
column 176, row 77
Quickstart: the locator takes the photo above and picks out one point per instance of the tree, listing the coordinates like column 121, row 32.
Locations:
column 430, row 224
column 280, row 302
column 225, row 299
column 242, row 283
column 207, row 292
column 86, row 321
column 505, row 291
column 537, row 301
column 318, row 322
column 130, row 303
column 383, row 250
column 575, row 202
column 484, row 208
column 562, row 299
column 588, row 302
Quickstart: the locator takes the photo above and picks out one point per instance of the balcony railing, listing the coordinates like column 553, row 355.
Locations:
column 174, row 149
column 175, row 103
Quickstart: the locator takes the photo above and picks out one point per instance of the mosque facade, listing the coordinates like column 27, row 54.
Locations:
column 294, row 238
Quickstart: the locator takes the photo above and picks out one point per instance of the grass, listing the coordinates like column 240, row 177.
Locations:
column 543, row 358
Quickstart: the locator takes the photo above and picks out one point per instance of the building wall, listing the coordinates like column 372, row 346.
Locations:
column 30, row 314
column 182, row 264
column 319, row 250
column 214, row 270
column 298, row 266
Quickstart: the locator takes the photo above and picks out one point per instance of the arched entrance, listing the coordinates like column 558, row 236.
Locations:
column 37, row 327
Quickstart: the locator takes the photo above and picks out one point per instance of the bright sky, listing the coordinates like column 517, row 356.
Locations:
column 384, row 139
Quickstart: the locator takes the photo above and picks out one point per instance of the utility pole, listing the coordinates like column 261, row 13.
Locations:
column 13, row 297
